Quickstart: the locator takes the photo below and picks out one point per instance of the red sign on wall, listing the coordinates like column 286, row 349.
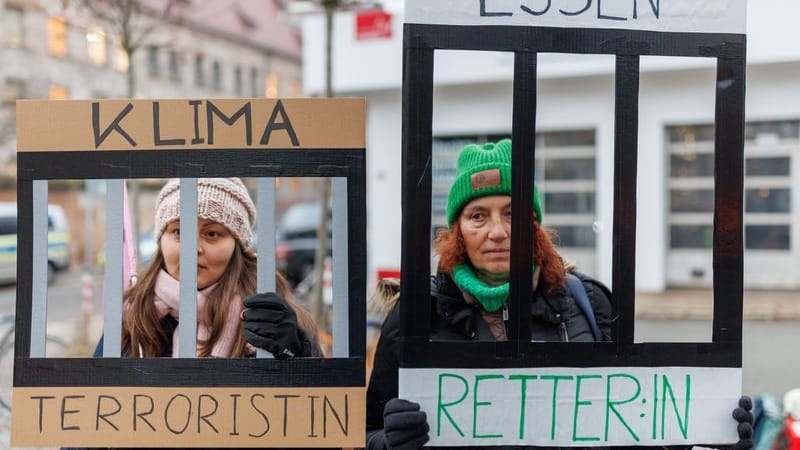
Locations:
column 373, row 25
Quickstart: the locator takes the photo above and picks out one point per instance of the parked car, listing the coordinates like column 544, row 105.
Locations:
column 58, row 242
column 296, row 241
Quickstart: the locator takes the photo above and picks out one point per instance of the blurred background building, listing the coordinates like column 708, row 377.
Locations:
column 81, row 49
column 575, row 141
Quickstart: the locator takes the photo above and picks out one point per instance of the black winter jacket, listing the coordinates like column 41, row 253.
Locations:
column 554, row 318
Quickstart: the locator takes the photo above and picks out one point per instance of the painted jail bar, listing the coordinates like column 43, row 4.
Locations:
column 485, row 393
column 189, row 401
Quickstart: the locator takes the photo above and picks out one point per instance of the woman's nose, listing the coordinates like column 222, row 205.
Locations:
column 499, row 230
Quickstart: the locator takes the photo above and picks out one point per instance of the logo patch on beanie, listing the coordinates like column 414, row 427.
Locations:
column 486, row 178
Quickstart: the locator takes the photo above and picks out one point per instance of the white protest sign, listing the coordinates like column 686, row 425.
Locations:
column 690, row 16
column 599, row 406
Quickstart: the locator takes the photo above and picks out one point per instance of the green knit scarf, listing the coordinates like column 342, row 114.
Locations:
column 492, row 298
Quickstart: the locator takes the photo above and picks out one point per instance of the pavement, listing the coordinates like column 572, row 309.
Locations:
column 697, row 304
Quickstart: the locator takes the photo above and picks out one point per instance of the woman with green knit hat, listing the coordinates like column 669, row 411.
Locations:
column 469, row 293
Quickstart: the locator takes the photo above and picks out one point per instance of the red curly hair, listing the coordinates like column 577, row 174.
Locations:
column 452, row 252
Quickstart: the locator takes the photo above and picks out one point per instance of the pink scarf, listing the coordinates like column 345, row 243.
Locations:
column 167, row 299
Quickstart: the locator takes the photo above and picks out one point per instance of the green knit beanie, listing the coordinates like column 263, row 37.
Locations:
column 483, row 170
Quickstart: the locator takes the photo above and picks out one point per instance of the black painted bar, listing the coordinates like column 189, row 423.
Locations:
column 357, row 257
column 416, row 196
column 576, row 354
column 187, row 163
column 196, row 372
column 626, row 133
column 22, row 336
column 522, row 172
column 575, row 40
column 728, row 203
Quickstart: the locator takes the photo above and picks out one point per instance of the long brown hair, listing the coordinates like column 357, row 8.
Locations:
column 453, row 252
column 143, row 335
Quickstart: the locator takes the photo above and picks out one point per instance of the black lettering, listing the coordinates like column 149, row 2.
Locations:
column 656, row 7
column 485, row 13
column 204, row 417
column 285, row 124
column 65, row 411
column 188, row 414
column 576, row 13
column 104, row 416
column 196, row 105
column 600, row 14
column 285, row 398
column 312, row 398
column 212, row 110
column 235, row 398
column 41, row 399
column 100, row 137
column 261, row 413
column 138, row 415
column 536, row 13
column 344, row 427
column 157, row 129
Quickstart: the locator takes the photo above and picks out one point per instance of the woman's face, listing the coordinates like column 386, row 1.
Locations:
column 215, row 246
column 486, row 227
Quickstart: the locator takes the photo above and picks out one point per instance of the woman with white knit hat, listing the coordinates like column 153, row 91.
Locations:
column 231, row 321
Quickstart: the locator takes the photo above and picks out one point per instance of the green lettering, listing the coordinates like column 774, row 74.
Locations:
column 578, row 404
column 555, row 379
column 655, row 405
column 523, row 399
column 442, row 407
column 611, row 405
column 683, row 425
column 476, row 403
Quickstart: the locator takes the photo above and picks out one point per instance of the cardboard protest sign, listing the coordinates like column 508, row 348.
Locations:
column 578, row 407
column 587, row 394
column 186, row 401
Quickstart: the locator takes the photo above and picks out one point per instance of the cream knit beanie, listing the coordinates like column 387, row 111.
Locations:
column 222, row 200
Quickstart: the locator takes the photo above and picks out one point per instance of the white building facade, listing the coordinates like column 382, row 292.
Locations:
column 575, row 142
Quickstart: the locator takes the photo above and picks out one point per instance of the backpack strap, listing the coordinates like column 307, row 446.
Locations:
column 578, row 292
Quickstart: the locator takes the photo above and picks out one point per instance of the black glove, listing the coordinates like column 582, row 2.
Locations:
column 270, row 323
column 405, row 427
column 744, row 416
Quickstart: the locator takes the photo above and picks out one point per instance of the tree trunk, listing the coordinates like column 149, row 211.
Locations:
column 317, row 304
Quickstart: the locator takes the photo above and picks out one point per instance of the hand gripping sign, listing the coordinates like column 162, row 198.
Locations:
column 520, row 392
column 116, row 401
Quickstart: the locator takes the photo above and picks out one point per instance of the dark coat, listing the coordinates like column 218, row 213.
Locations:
column 554, row 318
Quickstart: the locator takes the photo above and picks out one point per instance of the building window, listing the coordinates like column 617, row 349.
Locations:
column 254, row 82
column 216, row 75
column 96, row 46
column 153, row 68
column 58, row 92
column 565, row 175
column 769, row 148
column 199, row 70
column 57, row 36
column 121, row 60
column 174, row 66
column 13, row 28
column 15, row 90
column 237, row 81
column 271, row 88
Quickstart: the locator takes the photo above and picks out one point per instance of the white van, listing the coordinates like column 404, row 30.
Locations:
column 58, row 240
